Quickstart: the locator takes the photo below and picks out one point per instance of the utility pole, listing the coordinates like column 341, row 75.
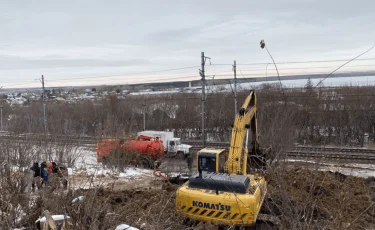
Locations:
column 203, row 61
column 1, row 123
column 1, row 111
column 44, row 106
column 144, row 117
column 235, row 88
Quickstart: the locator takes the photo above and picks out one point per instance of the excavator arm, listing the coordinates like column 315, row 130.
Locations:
column 245, row 127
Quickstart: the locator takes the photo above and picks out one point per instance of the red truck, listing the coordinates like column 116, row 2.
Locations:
column 145, row 150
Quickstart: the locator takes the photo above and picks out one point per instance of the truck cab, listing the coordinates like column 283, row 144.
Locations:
column 175, row 147
column 172, row 145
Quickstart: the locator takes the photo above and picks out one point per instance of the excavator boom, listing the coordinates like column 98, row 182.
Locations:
column 244, row 120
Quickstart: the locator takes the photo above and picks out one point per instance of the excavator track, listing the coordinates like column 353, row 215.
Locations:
column 266, row 222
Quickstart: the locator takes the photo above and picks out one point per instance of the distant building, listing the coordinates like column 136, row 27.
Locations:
column 154, row 92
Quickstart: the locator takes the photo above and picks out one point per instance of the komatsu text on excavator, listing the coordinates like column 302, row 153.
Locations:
column 225, row 191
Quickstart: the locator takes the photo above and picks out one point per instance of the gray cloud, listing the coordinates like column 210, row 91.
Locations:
column 88, row 38
column 9, row 62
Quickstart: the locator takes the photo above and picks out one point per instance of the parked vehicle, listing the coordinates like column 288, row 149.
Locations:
column 144, row 150
column 172, row 145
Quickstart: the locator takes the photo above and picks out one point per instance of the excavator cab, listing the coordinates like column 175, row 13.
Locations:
column 211, row 160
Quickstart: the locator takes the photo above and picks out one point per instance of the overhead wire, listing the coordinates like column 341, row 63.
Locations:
column 342, row 66
column 184, row 68
column 135, row 73
column 294, row 62
column 221, row 74
column 18, row 84
column 218, row 77
column 304, row 125
column 155, row 98
column 306, row 62
column 106, row 76
column 307, row 68
column 263, row 45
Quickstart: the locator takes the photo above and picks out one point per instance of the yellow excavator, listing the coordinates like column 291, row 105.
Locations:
column 227, row 190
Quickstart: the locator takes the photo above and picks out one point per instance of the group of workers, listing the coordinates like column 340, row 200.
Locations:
column 42, row 173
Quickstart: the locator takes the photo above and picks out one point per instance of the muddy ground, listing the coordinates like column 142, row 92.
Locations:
column 301, row 198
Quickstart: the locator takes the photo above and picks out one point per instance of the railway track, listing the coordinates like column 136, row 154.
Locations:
column 294, row 152
column 317, row 152
column 51, row 139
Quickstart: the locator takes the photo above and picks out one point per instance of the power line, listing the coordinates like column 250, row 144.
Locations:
column 159, row 79
column 295, row 62
column 215, row 97
column 263, row 45
column 191, row 67
column 347, row 62
column 217, row 76
column 306, row 62
column 316, row 67
column 127, row 74
column 25, row 82
column 117, row 75
column 187, row 77
column 243, row 97
column 293, row 73
column 343, row 65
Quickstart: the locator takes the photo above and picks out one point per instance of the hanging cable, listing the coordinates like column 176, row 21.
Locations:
column 341, row 67
column 263, row 45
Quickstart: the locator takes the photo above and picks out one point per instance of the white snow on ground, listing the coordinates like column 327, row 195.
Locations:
column 88, row 173
column 134, row 172
column 99, row 170
column 86, row 158
column 303, row 161
column 125, row 227
column 350, row 169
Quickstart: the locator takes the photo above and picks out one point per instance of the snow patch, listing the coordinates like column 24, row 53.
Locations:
column 70, row 171
column 349, row 169
column 125, row 227
column 134, row 172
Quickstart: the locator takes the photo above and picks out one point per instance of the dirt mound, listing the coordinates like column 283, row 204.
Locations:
column 105, row 209
column 313, row 199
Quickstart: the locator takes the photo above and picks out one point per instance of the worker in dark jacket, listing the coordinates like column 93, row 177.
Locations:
column 36, row 179
column 44, row 173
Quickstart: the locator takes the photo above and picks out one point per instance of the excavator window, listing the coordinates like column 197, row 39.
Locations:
column 207, row 164
column 222, row 162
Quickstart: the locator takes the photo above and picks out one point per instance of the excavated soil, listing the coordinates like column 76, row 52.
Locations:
column 306, row 199
column 301, row 198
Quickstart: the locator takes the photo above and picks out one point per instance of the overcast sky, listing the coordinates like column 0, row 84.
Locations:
column 106, row 41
